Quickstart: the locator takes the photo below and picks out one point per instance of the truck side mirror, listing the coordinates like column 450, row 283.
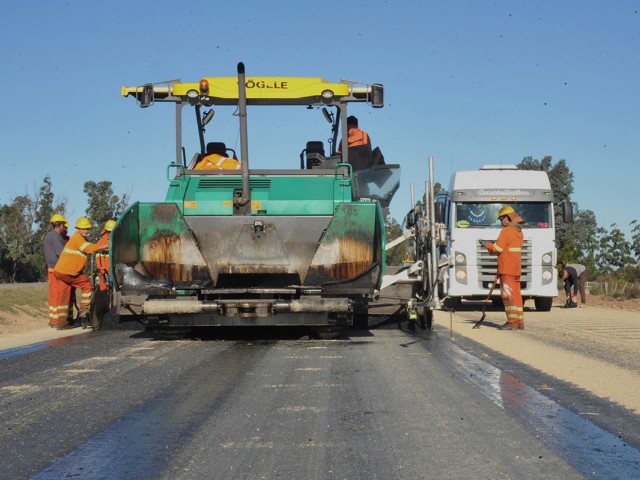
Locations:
column 567, row 211
column 439, row 212
column 147, row 97
column 208, row 115
column 377, row 95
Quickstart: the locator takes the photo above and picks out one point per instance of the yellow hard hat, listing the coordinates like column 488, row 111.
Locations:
column 58, row 218
column 83, row 222
column 108, row 226
column 505, row 211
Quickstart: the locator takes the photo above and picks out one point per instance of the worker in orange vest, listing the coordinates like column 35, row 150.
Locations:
column 359, row 146
column 103, row 263
column 356, row 136
column 508, row 247
column 215, row 161
column 68, row 273
column 53, row 246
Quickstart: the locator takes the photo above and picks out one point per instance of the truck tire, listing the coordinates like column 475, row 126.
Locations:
column 543, row 304
column 112, row 321
column 360, row 316
column 361, row 321
column 99, row 307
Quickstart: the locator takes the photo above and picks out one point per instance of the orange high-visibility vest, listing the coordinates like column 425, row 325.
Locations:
column 508, row 246
column 74, row 255
column 102, row 259
column 216, row 161
column 358, row 137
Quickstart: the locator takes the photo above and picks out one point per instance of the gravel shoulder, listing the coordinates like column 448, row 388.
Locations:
column 594, row 348
column 27, row 324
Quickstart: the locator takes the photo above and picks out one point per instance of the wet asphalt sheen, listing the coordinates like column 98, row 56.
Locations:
column 384, row 404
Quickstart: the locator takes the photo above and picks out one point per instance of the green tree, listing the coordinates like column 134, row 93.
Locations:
column 561, row 180
column 635, row 240
column 560, row 177
column 614, row 251
column 393, row 230
column 16, row 223
column 581, row 244
column 103, row 205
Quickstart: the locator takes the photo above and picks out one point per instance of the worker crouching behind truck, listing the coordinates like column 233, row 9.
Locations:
column 68, row 272
column 508, row 247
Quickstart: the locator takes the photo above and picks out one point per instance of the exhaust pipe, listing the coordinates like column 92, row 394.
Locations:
column 244, row 149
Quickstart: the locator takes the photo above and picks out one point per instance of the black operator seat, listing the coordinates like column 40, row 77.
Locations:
column 217, row 147
column 315, row 154
column 221, row 149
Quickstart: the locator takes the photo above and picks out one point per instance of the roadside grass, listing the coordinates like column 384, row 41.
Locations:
column 618, row 290
column 29, row 296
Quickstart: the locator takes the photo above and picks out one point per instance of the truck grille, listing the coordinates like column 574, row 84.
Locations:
column 488, row 265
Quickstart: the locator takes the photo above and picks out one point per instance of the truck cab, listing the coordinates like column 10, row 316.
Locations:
column 472, row 204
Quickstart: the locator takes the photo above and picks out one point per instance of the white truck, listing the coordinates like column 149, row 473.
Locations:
column 471, row 218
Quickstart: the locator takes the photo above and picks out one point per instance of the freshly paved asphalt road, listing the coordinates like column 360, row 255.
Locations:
column 384, row 403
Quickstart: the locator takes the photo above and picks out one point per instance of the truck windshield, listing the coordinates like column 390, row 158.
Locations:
column 485, row 215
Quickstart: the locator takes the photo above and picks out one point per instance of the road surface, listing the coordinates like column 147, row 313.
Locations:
column 384, row 403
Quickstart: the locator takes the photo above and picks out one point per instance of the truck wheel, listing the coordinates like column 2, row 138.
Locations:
column 112, row 321
column 360, row 316
column 360, row 321
column 98, row 308
column 543, row 304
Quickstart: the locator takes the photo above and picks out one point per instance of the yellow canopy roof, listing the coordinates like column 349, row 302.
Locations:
column 265, row 90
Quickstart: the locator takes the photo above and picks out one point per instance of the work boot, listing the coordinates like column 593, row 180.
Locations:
column 572, row 305
column 509, row 326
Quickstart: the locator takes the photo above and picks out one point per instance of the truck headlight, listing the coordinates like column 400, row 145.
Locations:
column 548, row 275
column 460, row 258
column 546, row 258
column 461, row 275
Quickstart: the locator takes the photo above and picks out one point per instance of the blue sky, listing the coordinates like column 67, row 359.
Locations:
column 466, row 82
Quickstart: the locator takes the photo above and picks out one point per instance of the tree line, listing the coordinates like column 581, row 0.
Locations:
column 605, row 251
column 24, row 222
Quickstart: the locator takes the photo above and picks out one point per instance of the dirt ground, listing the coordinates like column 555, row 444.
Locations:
column 606, row 302
column 27, row 318
column 28, row 325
